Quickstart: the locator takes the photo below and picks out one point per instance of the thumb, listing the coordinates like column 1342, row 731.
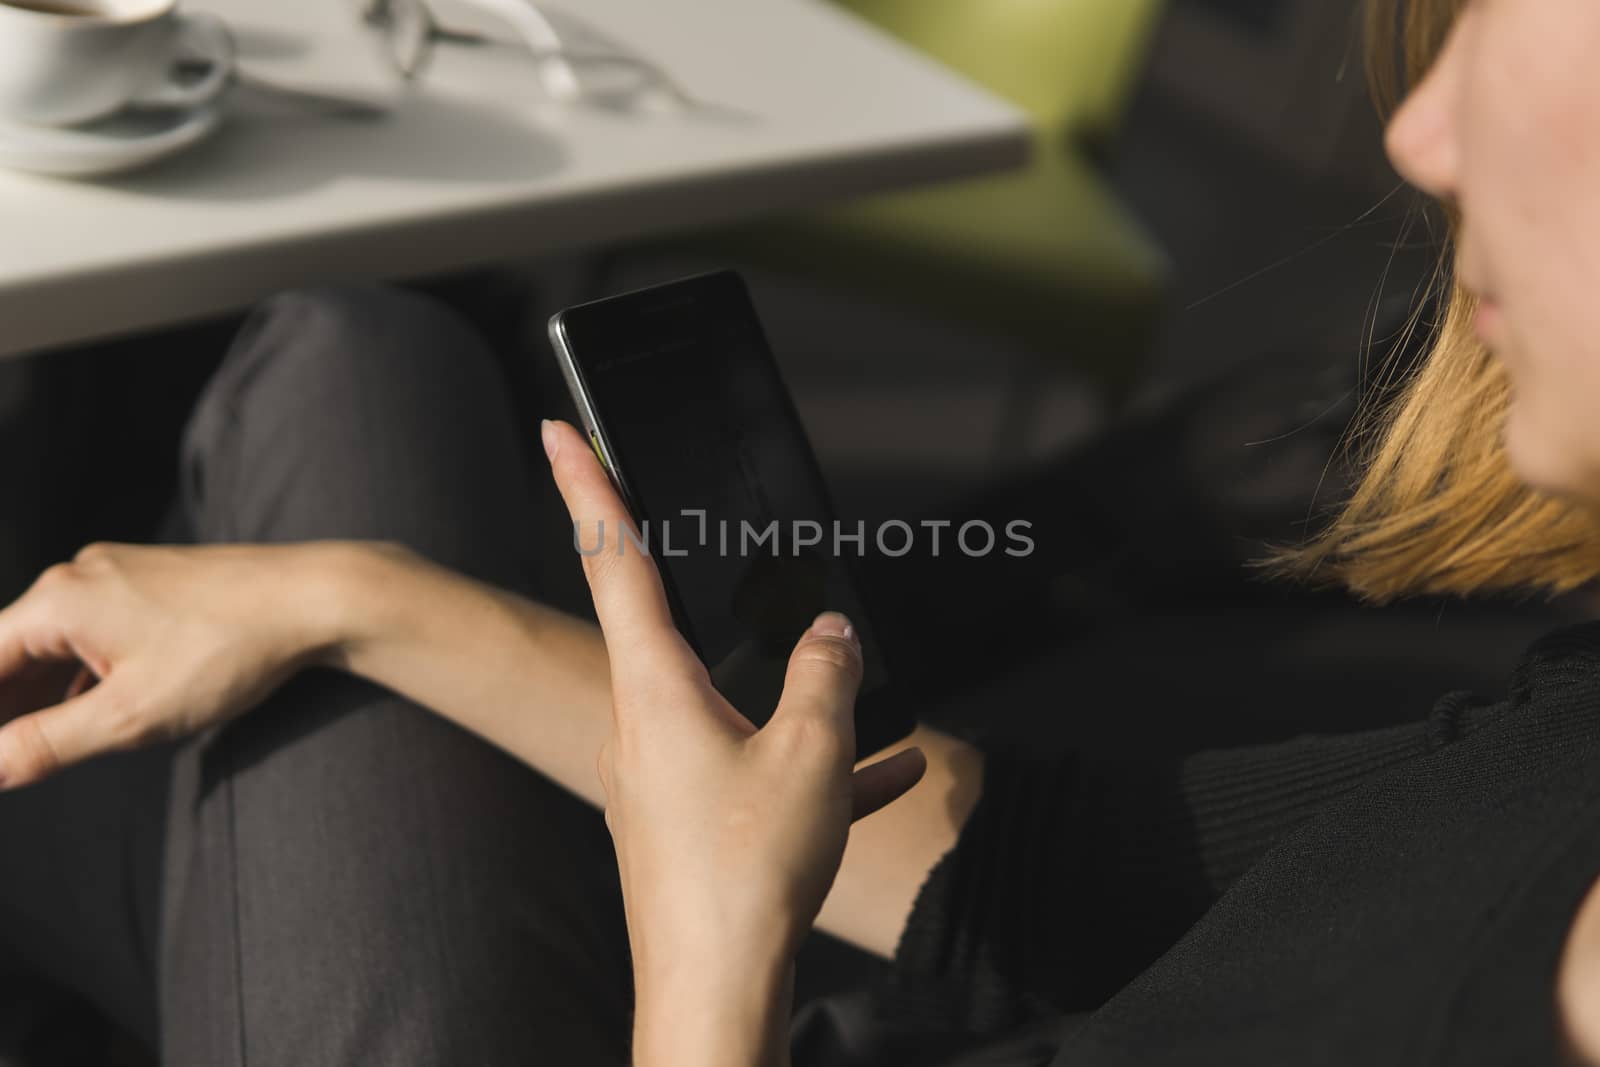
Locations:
column 34, row 747
column 824, row 676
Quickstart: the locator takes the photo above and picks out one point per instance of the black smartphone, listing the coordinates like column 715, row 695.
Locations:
column 683, row 402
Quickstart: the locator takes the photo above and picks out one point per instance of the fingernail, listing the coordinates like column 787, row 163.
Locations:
column 547, row 433
column 833, row 624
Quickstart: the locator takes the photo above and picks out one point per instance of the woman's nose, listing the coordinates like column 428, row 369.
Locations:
column 1421, row 138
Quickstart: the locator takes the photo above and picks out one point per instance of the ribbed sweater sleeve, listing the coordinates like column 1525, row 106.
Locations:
column 1074, row 873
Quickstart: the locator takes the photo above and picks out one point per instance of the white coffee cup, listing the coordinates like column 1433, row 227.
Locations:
column 64, row 62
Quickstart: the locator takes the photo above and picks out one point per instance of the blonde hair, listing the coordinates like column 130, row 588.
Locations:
column 1437, row 507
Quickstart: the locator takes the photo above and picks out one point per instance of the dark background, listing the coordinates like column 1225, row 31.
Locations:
column 1260, row 16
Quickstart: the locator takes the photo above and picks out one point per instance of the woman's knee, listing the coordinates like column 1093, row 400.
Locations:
column 330, row 345
column 356, row 411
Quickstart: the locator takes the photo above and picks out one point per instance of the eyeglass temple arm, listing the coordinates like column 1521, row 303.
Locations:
column 559, row 80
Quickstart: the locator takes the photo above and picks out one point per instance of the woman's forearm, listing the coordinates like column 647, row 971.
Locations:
column 525, row 677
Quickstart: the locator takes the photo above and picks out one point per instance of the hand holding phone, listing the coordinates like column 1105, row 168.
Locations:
column 682, row 401
column 728, row 838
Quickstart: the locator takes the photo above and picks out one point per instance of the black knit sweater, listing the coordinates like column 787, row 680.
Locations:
column 1398, row 897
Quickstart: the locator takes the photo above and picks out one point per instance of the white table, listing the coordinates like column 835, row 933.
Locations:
column 473, row 166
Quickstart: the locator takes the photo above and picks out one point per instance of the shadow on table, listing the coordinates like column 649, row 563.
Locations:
column 267, row 149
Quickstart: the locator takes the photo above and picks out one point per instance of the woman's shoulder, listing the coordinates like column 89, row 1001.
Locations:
column 1558, row 677
column 1563, row 661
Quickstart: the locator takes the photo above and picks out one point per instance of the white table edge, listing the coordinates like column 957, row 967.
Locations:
column 39, row 315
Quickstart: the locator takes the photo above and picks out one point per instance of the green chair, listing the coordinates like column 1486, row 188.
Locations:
column 1045, row 255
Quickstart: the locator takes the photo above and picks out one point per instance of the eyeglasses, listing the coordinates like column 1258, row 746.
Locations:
column 567, row 75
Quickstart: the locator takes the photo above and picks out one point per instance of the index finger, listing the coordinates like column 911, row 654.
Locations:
column 628, row 595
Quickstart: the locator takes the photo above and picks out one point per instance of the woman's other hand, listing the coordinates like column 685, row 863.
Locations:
column 127, row 646
column 727, row 838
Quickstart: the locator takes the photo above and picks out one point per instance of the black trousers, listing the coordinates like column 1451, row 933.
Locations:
column 340, row 877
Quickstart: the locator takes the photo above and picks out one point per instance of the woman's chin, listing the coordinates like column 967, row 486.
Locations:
column 1542, row 463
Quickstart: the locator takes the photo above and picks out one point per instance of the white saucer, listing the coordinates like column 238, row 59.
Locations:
column 121, row 142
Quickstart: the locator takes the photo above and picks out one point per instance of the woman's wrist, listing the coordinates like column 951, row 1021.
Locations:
column 344, row 593
column 710, row 1010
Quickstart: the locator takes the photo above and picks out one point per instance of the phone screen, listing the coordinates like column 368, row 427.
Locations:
column 702, row 436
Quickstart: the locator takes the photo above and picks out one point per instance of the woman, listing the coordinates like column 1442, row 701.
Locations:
column 1420, row 894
